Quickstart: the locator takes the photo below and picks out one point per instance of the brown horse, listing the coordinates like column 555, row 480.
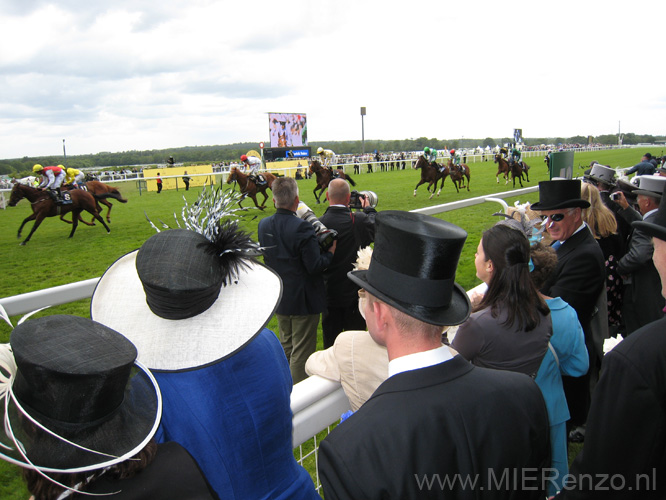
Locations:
column 43, row 206
column 504, row 168
column 249, row 188
column 99, row 188
column 324, row 177
column 430, row 174
column 458, row 176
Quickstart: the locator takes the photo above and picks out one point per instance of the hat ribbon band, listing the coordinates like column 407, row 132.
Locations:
column 412, row 290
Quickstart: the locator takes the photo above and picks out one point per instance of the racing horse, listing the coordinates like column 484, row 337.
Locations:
column 44, row 206
column 99, row 188
column 458, row 176
column 504, row 168
column 324, row 177
column 431, row 175
column 249, row 188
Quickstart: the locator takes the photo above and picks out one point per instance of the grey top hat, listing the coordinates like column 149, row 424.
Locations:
column 413, row 267
column 559, row 194
column 657, row 227
column 651, row 186
column 602, row 173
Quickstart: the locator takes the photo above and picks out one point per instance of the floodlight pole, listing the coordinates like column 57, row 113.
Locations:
column 362, row 130
column 64, row 153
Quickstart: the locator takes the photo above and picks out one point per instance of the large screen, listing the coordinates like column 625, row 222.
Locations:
column 288, row 129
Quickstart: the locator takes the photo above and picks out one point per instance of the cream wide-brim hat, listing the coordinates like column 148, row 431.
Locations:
column 241, row 311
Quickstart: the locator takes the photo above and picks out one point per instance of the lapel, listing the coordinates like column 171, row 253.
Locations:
column 573, row 242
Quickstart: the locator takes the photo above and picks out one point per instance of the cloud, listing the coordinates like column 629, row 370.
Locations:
column 144, row 74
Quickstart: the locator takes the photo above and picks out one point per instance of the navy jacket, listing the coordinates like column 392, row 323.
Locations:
column 355, row 230
column 293, row 252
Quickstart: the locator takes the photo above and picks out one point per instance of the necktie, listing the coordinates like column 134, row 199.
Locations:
column 557, row 245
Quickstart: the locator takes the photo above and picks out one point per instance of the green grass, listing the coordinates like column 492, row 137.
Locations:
column 51, row 259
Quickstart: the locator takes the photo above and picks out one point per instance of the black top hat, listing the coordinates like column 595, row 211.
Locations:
column 75, row 380
column 413, row 267
column 656, row 229
column 559, row 194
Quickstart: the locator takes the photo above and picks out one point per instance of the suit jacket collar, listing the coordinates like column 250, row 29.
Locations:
column 574, row 241
column 425, row 377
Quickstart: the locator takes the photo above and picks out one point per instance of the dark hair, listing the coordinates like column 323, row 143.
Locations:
column 43, row 489
column 544, row 259
column 511, row 287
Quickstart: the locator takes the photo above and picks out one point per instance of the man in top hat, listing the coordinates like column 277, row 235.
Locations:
column 579, row 277
column 642, row 303
column 437, row 418
column 626, row 436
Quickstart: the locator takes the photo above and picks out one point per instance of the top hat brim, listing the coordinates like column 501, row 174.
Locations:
column 645, row 192
column 241, row 311
column 572, row 203
column 651, row 229
column 121, row 437
column 455, row 313
column 599, row 179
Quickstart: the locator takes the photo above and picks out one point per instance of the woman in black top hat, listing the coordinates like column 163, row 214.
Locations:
column 79, row 416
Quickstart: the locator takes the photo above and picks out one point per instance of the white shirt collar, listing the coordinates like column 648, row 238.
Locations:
column 584, row 224
column 419, row 360
column 649, row 213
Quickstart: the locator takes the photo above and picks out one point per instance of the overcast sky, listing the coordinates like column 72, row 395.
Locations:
column 139, row 74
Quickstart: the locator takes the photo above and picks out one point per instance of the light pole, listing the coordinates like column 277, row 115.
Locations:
column 362, row 130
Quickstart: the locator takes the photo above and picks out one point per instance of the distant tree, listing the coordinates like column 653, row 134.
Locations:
column 489, row 141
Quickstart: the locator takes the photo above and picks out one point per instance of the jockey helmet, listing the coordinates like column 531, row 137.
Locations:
column 244, row 158
column 426, row 150
column 453, row 151
column 61, row 166
column 37, row 168
column 320, row 150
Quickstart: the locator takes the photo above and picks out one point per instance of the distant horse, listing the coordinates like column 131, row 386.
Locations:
column 324, row 177
column 99, row 188
column 457, row 176
column 43, row 206
column 249, row 188
column 430, row 175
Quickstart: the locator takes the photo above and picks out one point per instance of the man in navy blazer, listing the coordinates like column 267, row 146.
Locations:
column 293, row 252
column 438, row 427
column 579, row 277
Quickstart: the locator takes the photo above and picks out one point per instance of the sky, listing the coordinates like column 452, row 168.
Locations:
column 145, row 74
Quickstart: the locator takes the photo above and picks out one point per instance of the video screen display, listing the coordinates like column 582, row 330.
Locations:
column 288, row 130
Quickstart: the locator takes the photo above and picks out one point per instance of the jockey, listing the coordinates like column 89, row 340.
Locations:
column 74, row 176
column 430, row 154
column 52, row 178
column 327, row 158
column 515, row 155
column 455, row 159
column 504, row 152
column 254, row 164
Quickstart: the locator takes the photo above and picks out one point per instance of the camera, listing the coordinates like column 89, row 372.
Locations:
column 356, row 197
column 615, row 196
column 325, row 236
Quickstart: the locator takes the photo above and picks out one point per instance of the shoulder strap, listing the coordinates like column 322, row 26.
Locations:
column 552, row 349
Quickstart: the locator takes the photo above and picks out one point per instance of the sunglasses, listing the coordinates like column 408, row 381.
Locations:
column 553, row 217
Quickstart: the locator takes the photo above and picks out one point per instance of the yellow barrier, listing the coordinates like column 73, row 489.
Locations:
column 172, row 178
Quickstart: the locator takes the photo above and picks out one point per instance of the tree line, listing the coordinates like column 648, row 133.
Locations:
column 21, row 167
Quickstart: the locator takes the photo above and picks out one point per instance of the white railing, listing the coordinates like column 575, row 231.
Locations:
column 316, row 403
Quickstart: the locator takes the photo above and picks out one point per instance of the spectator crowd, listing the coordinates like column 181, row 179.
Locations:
column 175, row 388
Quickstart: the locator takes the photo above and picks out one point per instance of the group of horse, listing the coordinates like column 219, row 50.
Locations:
column 432, row 174
column 250, row 189
column 43, row 205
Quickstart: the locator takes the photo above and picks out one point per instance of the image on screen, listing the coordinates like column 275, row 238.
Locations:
column 287, row 129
